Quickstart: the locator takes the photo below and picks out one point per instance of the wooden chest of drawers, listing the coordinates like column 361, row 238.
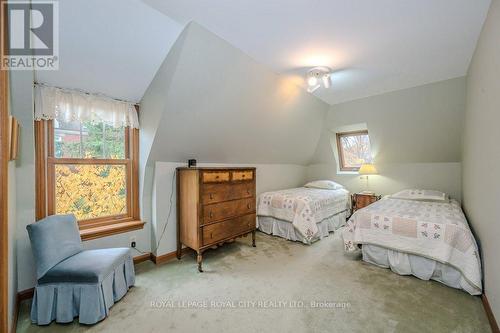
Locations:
column 214, row 206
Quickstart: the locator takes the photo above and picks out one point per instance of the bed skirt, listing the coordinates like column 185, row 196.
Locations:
column 63, row 302
column 285, row 229
column 423, row 268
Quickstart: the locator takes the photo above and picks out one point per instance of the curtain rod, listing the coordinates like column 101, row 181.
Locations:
column 85, row 92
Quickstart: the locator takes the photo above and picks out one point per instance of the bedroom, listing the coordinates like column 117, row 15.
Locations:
column 171, row 128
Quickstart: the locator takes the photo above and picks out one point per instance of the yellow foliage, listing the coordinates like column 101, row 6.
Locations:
column 91, row 191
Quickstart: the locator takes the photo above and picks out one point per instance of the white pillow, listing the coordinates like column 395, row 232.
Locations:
column 421, row 195
column 324, row 184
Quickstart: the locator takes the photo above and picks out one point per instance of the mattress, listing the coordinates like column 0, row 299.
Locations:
column 437, row 231
column 303, row 207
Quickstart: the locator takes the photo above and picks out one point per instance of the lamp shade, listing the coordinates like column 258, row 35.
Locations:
column 367, row 169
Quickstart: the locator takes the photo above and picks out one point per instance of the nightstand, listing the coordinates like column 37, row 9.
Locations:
column 361, row 200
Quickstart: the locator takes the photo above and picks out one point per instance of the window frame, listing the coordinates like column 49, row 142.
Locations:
column 340, row 149
column 46, row 187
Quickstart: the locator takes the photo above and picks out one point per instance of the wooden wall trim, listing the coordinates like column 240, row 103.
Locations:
column 134, row 141
column 142, row 258
column 40, row 170
column 25, row 294
column 489, row 314
column 168, row 256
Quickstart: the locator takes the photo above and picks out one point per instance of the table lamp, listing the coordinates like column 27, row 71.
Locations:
column 367, row 169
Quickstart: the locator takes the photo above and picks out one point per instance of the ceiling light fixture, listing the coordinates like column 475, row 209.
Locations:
column 318, row 76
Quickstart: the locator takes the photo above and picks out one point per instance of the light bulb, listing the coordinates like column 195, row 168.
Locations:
column 312, row 81
column 326, row 81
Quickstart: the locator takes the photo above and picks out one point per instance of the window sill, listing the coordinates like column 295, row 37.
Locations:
column 347, row 173
column 108, row 230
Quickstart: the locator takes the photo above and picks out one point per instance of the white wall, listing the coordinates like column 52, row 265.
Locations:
column 212, row 102
column 481, row 153
column 395, row 177
column 22, row 109
column 415, row 136
column 269, row 177
column 12, row 218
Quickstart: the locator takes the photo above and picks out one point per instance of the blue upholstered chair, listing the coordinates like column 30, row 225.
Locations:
column 72, row 282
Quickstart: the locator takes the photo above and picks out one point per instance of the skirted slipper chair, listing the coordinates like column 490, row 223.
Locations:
column 72, row 282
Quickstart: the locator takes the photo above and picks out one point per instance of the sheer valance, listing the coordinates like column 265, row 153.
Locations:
column 67, row 105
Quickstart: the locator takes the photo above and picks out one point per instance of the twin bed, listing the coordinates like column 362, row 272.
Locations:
column 304, row 214
column 414, row 232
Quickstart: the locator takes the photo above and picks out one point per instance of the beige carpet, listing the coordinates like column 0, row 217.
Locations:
column 361, row 297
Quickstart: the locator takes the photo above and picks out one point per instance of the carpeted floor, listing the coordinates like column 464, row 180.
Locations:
column 359, row 297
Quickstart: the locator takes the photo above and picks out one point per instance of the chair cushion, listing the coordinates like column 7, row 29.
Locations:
column 53, row 239
column 90, row 266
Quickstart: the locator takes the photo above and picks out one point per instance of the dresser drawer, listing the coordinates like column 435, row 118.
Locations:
column 216, row 232
column 212, row 193
column 215, row 176
column 224, row 210
column 242, row 175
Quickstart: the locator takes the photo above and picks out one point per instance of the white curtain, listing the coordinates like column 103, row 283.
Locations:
column 67, row 105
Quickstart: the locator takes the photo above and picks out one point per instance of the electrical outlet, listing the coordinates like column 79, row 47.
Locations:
column 133, row 242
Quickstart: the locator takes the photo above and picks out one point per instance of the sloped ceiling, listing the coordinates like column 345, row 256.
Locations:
column 110, row 47
column 374, row 46
column 212, row 102
column 115, row 47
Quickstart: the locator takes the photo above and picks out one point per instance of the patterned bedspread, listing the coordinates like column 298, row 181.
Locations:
column 304, row 207
column 438, row 231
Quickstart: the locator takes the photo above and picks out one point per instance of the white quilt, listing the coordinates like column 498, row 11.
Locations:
column 434, row 230
column 304, row 207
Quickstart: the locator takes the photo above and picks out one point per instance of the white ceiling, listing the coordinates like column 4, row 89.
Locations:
column 110, row 47
column 376, row 46
column 115, row 47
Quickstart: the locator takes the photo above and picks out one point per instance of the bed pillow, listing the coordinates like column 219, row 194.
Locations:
column 421, row 195
column 324, row 184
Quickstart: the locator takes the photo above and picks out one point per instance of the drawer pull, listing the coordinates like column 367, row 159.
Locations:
column 248, row 191
column 210, row 214
column 211, row 236
column 243, row 176
column 211, row 196
column 248, row 206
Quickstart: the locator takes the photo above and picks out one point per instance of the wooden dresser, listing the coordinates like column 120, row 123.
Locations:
column 214, row 206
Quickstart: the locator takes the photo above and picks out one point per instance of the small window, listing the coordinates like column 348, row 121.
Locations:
column 353, row 149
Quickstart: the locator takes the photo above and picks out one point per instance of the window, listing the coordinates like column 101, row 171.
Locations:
column 353, row 149
column 88, row 167
column 92, row 172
